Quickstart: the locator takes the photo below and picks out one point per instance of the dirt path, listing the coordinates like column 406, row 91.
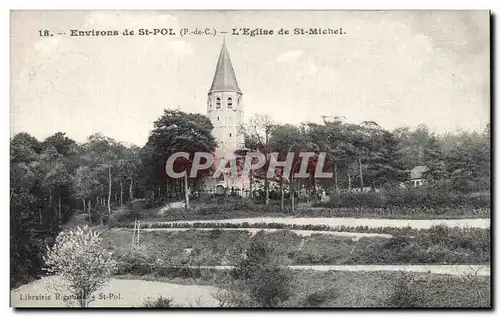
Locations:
column 355, row 222
column 304, row 233
column 117, row 293
column 483, row 270
column 457, row 270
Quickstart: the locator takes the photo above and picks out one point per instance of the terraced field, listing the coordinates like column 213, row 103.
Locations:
column 448, row 257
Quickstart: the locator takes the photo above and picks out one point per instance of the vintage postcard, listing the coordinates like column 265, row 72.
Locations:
column 250, row 159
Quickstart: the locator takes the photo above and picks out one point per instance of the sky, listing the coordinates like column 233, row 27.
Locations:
column 392, row 67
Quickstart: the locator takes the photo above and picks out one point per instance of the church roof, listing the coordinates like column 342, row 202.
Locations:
column 224, row 78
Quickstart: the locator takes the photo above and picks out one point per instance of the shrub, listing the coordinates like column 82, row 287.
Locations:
column 140, row 204
column 124, row 215
column 318, row 297
column 222, row 296
column 429, row 196
column 261, row 277
column 404, row 294
column 181, row 272
column 160, row 302
column 269, row 285
column 439, row 234
column 80, row 259
column 136, row 260
column 215, row 234
column 210, row 210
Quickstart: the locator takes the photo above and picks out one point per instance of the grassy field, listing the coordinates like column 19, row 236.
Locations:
column 219, row 247
column 369, row 289
column 211, row 212
column 172, row 256
column 166, row 258
column 221, row 207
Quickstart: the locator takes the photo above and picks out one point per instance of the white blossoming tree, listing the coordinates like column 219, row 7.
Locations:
column 80, row 260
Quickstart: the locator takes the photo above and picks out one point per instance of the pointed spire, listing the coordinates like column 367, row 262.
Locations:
column 224, row 78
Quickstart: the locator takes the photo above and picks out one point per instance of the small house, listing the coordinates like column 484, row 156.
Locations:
column 417, row 175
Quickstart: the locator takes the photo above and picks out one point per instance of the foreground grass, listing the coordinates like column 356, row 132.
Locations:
column 160, row 249
column 365, row 289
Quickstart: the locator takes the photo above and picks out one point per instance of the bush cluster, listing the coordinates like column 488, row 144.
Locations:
column 260, row 278
column 124, row 215
column 318, row 297
column 419, row 197
column 160, row 302
column 455, row 246
column 237, row 205
column 404, row 294
column 134, row 260
column 396, row 212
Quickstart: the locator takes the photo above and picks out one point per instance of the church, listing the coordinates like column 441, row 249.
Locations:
column 225, row 110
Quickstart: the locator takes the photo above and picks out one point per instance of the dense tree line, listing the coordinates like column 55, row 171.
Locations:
column 51, row 180
column 366, row 155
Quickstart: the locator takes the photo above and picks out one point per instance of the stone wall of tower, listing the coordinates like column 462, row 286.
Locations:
column 225, row 110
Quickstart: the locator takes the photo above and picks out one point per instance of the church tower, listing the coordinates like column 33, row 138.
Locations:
column 225, row 107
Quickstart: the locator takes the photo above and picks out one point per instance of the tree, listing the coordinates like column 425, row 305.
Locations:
column 129, row 166
column 335, row 147
column 54, row 178
column 27, row 140
column 469, row 164
column 468, row 157
column 285, row 139
column 63, row 145
column 257, row 132
column 384, row 165
column 101, row 154
column 27, row 233
column 87, row 186
column 81, row 261
column 433, row 158
column 177, row 131
column 32, row 222
column 411, row 144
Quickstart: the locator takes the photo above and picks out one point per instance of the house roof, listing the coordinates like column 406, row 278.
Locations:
column 224, row 78
column 418, row 171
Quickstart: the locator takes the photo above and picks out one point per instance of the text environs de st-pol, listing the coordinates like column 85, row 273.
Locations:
column 125, row 32
column 234, row 31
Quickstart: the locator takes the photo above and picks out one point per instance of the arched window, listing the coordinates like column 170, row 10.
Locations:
column 209, row 103
column 217, row 118
column 230, row 135
column 230, row 102
column 217, row 103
